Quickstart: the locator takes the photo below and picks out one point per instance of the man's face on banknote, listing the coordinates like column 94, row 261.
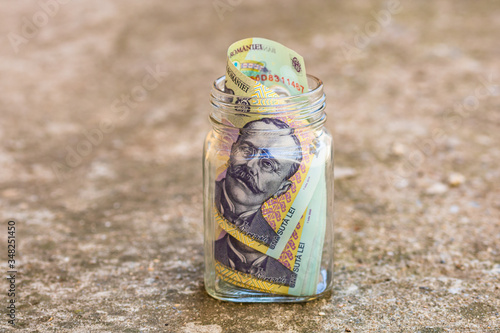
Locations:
column 260, row 164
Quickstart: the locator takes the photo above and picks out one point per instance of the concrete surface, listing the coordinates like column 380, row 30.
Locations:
column 110, row 240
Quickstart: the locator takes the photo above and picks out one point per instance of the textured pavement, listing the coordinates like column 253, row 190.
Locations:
column 104, row 108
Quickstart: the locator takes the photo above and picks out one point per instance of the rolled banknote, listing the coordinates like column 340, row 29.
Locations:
column 268, row 196
column 284, row 70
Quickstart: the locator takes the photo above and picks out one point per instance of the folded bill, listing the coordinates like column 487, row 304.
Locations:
column 255, row 63
column 268, row 194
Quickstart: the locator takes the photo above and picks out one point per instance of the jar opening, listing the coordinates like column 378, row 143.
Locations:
column 304, row 110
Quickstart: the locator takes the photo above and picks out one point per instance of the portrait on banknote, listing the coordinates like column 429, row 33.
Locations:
column 239, row 257
column 259, row 168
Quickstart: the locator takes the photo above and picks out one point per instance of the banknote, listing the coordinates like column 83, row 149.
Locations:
column 281, row 210
column 268, row 203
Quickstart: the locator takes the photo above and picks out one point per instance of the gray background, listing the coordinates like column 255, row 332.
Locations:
column 113, row 242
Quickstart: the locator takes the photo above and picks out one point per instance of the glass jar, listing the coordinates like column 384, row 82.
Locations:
column 268, row 197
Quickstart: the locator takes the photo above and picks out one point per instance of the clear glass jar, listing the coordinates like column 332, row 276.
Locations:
column 268, row 197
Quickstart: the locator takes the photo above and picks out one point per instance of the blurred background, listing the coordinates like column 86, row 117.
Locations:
column 104, row 109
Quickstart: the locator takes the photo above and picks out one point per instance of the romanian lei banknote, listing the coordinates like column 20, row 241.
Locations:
column 270, row 204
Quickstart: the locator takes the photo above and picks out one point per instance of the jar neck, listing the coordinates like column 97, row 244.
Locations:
column 303, row 112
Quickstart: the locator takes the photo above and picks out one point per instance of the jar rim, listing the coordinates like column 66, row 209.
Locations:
column 307, row 107
column 315, row 92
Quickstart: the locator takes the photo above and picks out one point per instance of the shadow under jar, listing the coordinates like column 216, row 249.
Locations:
column 268, row 197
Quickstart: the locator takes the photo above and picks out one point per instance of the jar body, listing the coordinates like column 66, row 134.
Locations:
column 268, row 207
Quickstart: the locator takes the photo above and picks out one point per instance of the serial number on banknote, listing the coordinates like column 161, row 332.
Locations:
column 277, row 79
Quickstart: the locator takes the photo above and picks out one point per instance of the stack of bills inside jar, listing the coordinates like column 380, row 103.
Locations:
column 270, row 194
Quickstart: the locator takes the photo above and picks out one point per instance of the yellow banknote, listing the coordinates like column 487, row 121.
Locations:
column 267, row 193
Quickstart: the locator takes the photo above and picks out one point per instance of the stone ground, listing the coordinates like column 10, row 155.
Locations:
column 109, row 231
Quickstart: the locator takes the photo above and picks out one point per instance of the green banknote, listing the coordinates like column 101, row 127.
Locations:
column 256, row 62
column 268, row 201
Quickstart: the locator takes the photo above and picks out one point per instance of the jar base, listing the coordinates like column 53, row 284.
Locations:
column 228, row 292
